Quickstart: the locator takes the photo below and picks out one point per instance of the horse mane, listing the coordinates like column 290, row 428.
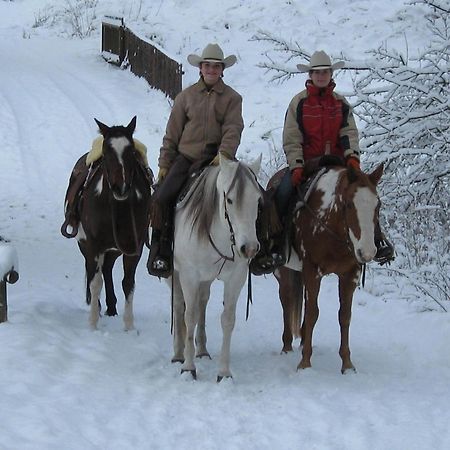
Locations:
column 203, row 200
column 202, row 204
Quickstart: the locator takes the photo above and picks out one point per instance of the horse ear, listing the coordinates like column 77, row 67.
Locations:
column 132, row 125
column 255, row 166
column 376, row 174
column 102, row 127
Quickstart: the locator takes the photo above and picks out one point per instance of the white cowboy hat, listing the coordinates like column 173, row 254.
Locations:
column 320, row 60
column 212, row 53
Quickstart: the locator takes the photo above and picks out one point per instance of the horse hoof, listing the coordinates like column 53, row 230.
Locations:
column 286, row 350
column 221, row 377
column 303, row 366
column 192, row 372
column 348, row 370
column 203, row 355
column 177, row 360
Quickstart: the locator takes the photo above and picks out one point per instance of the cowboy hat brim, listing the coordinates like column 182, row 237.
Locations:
column 306, row 68
column 196, row 60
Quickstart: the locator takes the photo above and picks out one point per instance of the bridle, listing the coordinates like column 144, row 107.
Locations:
column 347, row 242
column 223, row 257
column 113, row 202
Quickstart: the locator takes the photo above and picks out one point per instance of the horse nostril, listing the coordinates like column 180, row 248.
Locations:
column 243, row 249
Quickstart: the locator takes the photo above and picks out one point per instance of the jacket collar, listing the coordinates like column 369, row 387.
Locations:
column 219, row 87
column 314, row 90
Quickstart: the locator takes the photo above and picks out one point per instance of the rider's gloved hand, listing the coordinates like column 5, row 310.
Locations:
column 296, row 176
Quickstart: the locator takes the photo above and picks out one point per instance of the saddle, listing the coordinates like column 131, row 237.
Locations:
column 80, row 177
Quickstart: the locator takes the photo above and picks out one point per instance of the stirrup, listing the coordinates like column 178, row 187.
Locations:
column 160, row 267
column 385, row 252
column 266, row 264
column 68, row 223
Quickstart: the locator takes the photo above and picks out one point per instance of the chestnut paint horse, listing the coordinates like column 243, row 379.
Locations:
column 114, row 219
column 332, row 234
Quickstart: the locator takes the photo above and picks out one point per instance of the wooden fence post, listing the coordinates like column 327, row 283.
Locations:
column 8, row 274
column 3, row 302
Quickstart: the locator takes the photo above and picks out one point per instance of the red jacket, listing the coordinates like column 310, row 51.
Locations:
column 319, row 122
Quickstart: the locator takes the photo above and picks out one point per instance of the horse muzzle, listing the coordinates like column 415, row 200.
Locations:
column 121, row 194
column 249, row 250
column 365, row 255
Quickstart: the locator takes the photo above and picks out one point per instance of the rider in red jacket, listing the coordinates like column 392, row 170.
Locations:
column 318, row 122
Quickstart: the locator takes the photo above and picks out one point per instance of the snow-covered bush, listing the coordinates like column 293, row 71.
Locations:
column 403, row 103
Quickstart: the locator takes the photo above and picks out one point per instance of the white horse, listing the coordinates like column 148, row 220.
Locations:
column 215, row 238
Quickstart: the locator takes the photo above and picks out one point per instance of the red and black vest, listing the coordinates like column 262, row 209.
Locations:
column 320, row 117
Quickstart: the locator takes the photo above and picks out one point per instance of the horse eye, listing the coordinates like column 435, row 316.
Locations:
column 229, row 201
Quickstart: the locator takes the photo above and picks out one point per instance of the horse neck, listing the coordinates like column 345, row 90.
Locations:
column 330, row 212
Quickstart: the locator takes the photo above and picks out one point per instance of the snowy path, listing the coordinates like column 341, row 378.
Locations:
column 64, row 386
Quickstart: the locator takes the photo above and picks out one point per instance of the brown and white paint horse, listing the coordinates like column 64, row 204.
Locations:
column 333, row 234
column 114, row 213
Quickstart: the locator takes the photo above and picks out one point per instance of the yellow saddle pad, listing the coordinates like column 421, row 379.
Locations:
column 97, row 150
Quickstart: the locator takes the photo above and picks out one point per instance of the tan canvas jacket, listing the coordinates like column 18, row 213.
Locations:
column 200, row 117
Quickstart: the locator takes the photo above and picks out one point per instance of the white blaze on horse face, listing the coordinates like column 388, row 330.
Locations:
column 119, row 145
column 365, row 202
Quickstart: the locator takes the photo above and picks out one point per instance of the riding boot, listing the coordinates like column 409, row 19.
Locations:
column 160, row 260
column 385, row 250
column 278, row 248
column 271, row 238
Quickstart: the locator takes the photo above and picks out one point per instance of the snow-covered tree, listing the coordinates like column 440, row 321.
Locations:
column 403, row 103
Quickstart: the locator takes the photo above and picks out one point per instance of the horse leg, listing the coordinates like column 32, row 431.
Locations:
column 179, row 325
column 290, row 290
column 311, row 279
column 200, row 336
column 129, row 272
column 347, row 286
column 94, row 282
column 111, row 299
column 190, row 290
column 232, row 288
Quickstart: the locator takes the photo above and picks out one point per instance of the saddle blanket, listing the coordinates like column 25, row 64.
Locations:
column 97, row 149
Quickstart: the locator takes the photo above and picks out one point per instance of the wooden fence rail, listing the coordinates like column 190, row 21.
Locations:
column 122, row 47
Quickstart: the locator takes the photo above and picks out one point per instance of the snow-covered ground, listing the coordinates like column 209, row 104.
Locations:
column 66, row 387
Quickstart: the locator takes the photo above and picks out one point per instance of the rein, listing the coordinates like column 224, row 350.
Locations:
column 331, row 232
column 226, row 258
column 328, row 229
column 346, row 242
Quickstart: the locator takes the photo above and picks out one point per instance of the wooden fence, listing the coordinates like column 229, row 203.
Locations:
column 122, row 47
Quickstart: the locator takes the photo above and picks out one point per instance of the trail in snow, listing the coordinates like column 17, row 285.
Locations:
column 64, row 386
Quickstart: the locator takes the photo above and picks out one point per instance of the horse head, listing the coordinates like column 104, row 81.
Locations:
column 239, row 197
column 361, row 211
column 119, row 157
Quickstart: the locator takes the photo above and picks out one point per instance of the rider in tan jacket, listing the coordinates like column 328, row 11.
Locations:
column 206, row 120
column 203, row 116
